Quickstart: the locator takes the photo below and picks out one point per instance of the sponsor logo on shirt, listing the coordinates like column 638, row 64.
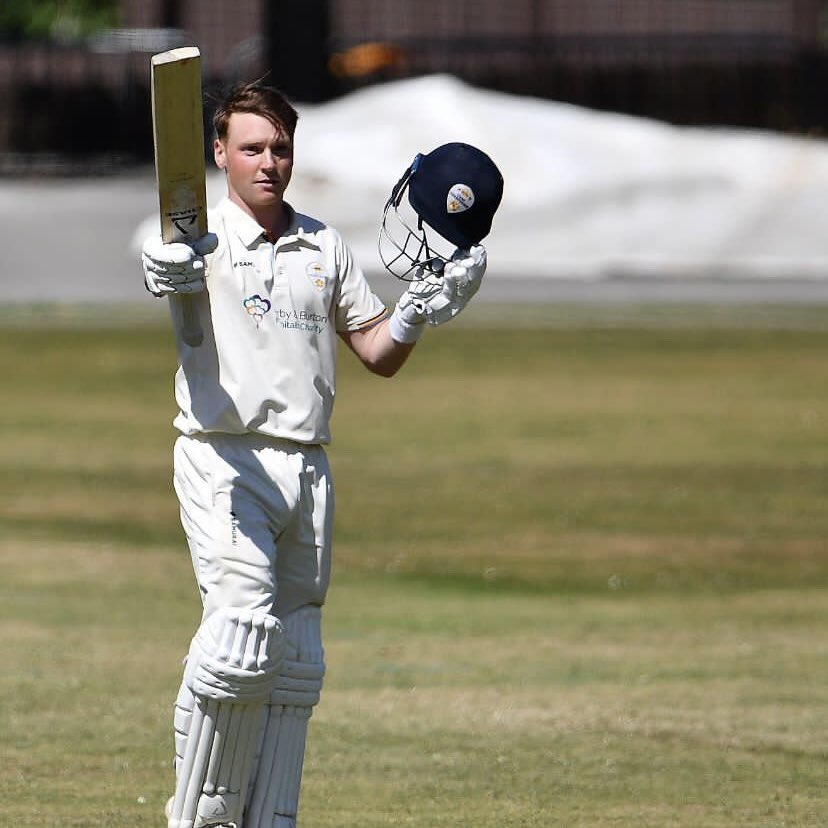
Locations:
column 301, row 320
column 257, row 307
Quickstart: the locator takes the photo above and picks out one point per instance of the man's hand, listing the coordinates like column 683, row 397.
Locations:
column 437, row 299
column 177, row 267
column 461, row 280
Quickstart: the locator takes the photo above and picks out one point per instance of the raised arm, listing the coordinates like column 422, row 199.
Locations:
column 384, row 348
column 377, row 350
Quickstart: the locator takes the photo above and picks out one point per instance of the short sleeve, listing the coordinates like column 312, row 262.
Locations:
column 357, row 307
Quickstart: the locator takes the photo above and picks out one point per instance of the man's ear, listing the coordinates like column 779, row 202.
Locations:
column 219, row 154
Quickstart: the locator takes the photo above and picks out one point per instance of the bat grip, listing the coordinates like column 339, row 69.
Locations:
column 190, row 324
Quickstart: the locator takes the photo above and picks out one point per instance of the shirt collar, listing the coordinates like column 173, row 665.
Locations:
column 247, row 228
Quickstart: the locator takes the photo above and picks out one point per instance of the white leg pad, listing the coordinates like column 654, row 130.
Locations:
column 184, row 705
column 233, row 664
column 274, row 799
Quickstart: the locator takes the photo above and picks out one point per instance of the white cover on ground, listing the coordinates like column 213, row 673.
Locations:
column 588, row 194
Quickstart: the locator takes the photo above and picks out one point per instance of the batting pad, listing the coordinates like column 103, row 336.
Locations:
column 274, row 800
column 232, row 666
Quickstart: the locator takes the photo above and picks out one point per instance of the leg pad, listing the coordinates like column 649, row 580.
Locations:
column 274, row 800
column 233, row 665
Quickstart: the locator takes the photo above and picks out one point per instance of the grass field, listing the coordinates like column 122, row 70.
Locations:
column 581, row 576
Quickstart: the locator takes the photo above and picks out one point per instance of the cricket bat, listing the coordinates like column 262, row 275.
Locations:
column 178, row 135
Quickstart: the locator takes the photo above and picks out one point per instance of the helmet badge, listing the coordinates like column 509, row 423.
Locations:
column 460, row 198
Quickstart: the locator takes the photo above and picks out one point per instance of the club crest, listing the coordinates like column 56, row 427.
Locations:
column 460, row 198
column 318, row 275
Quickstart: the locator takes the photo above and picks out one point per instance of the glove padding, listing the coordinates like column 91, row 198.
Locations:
column 437, row 299
column 460, row 281
column 176, row 267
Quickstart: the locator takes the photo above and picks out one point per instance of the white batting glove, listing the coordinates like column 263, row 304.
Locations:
column 437, row 299
column 461, row 280
column 408, row 320
column 176, row 267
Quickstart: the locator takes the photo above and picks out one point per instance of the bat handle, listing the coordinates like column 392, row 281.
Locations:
column 190, row 324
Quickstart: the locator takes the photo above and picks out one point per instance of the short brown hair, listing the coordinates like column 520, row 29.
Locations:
column 259, row 99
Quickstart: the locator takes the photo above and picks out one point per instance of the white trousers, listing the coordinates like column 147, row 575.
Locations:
column 258, row 516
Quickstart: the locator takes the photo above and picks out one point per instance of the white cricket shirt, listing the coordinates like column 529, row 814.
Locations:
column 270, row 316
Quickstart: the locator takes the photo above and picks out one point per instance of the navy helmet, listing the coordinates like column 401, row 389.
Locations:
column 455, row 191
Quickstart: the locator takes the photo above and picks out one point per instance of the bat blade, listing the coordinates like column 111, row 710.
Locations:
column 178, row 136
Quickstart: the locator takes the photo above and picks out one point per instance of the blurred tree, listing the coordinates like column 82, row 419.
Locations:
column 55, row 19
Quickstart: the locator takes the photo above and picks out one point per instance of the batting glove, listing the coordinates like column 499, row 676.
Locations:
column 176, row 267
column 437, row 299
column 409, row 317
column 461, row 281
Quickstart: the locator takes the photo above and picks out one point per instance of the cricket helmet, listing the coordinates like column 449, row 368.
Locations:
column 453, row 194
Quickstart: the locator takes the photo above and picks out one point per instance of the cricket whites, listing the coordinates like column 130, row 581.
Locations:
column 178, row 135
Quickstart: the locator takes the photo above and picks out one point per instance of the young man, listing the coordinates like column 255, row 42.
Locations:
column 274, row 290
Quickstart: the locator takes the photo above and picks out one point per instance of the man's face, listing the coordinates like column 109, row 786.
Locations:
column 258, row 159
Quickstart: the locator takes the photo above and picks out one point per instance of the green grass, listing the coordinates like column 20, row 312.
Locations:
column 581, row 576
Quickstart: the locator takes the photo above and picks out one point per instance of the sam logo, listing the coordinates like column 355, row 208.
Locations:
column 318, row 275
column 460, row 198
column 257, row 307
